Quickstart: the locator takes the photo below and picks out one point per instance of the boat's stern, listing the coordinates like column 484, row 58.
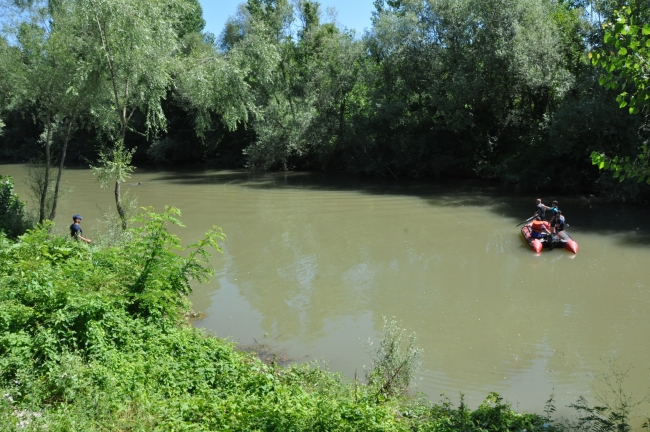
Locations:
column 571, row 245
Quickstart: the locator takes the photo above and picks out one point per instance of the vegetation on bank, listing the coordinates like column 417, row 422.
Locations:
column 13, row 220
column 499, row 89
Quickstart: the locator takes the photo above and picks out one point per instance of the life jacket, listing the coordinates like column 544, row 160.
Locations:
column 537, row 226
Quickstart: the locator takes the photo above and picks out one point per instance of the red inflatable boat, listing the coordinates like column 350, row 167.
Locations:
column 561, row 239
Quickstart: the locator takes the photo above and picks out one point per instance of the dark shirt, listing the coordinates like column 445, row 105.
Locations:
column 541, row 210
column 75, row 230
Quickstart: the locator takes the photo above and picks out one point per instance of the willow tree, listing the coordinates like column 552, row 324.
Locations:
column 144, row 49
column 49, row 77
column 132, row 44
column 302, row 108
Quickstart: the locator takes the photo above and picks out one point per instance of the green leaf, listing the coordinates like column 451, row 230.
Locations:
column 601, row 165
column 595, row 158
column 622, row 51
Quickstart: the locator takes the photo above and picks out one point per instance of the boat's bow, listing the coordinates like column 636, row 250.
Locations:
column 536, row 244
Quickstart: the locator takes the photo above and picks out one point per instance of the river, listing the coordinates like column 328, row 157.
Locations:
column 312, row 262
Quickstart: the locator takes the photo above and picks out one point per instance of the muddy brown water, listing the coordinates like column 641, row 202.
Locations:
column 312, row 262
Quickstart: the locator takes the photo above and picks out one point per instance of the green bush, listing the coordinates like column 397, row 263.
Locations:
column 94, row 338
column 13, row 220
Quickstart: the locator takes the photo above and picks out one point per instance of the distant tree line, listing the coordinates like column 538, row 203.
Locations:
column 500, row 89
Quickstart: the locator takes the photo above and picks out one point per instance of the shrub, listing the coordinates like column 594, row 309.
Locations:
column 13, row 220
column 393, row 367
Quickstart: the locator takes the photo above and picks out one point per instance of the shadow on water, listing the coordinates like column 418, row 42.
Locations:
column 583, row 213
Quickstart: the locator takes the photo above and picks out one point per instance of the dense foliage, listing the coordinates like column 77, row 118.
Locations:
column 625, row 61
column 13, row 220
column 95, row 339
column 499, row 89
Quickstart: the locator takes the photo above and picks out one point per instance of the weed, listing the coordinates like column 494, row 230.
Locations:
column 393, row 366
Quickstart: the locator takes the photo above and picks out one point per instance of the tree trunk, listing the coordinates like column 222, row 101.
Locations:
column 342, row 118
column 46, row 177
column 118, row 204
column 58, row 177
column 118, row 191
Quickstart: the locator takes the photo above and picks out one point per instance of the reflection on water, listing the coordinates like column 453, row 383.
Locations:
column 311, row 263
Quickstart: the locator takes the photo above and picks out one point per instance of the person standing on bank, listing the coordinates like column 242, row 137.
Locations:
column 75, row 229
column 541, row 209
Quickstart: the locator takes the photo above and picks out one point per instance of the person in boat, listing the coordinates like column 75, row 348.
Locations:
column 75, row 229
column 553, row 213
column 541, row 209
column 559, row 226
column 538, row 228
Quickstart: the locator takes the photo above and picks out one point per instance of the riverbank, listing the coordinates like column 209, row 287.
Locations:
column 95, row 338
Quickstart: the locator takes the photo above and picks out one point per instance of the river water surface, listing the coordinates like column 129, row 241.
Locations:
column 312, row 262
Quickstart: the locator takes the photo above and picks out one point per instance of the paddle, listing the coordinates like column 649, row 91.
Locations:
column 527, row 220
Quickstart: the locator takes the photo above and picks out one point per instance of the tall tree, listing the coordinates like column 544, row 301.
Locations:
column 132, row 44
column 52, row 79
column 188, row 16
column 136, row 46
column 302, row 108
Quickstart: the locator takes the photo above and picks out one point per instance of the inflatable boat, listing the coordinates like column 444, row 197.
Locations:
column 548, row 241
